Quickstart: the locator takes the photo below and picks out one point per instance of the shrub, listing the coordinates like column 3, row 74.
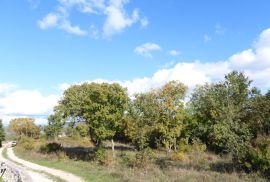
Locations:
column 103, row 157
column 27, row 143
column 62, row 155
column 195, row 146
column 127, row 159
column 257, row 158
column 144, row 158
column 28, row 146
column 51, row 148
column 179, row 156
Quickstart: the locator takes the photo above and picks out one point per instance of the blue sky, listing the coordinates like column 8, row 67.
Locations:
column 47, row 45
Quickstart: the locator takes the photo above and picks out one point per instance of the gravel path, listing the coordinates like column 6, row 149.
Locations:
column 61, row 174
column 26, row 174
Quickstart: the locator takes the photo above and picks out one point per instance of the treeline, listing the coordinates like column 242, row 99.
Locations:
column 229, row 117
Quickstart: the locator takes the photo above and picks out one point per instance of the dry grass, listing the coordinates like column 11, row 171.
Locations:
column 195, row 167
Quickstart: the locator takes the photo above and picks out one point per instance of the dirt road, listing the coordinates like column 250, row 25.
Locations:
column 26, row 174
column 35, row 171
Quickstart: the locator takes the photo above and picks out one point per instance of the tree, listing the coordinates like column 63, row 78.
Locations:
column 54, row 127
column 100, row 106
column 2, row 133
column 24, row 127
column 156, row 118
column 220, row 111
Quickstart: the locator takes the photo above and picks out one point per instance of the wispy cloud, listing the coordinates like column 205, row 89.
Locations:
column 207, row 38
column 219, row 30
column 117, row 19
column 174, row 53
column 147, row 49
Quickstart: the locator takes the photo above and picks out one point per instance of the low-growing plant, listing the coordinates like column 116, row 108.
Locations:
column 179, row 156
column 103, row 157
column 144, row 158
column 51, row 148
column 127, row 159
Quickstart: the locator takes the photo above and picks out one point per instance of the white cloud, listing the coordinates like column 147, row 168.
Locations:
column 207, row 38
column 6, row 87
column 254, row 62
column 50, row 21
column 116, row 17
column 72, row 29
column 174, row 53
column 144, row 22
column 147, row 49
column 24, row 103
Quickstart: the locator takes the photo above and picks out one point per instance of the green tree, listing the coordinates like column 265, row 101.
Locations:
column 54, row 127
column 220, row 111
column 156, row 118
column 24, row 127
column 2, row 133
column 100, row 106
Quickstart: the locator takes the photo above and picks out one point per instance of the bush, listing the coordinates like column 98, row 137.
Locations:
column 144, row 158
column 127, row 159
column 27, row 143
column 195, row 146
column 179, row 156
column 257, row 158
column 51, row 148
column 103, row 157
column 28, row 146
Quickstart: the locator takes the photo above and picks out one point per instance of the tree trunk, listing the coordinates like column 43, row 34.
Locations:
column 112, row 145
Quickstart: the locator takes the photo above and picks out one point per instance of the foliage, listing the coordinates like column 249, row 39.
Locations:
column 257, row 158
column 54, row 127
column 2, row 133
column 51, row 148
column 144, row 158
column 103, row 157
column 100, row 106
column 24, row 127
column 72, row 132
column 82, row 129
column 156, row 118
column 220, row 111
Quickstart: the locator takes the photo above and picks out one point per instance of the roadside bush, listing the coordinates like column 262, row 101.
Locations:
column 61, row 156
column 51, row 148
column 28, row 146
column 27, row 143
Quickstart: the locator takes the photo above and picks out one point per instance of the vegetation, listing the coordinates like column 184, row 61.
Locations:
column 24, row 127
column 2, row 133
column 222, row 130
